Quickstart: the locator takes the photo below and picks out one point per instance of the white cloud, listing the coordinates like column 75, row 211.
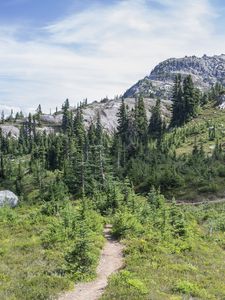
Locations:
column 102, row 50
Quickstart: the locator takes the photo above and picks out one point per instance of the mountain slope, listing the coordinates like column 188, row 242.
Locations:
column 205, row 71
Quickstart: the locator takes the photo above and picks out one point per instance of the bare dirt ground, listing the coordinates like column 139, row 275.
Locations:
column 111, row 261
column 216, row 201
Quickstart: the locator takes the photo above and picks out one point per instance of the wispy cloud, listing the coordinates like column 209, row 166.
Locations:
column 101, row 50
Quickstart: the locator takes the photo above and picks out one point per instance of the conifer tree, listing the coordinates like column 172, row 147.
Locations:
column 156, row 124
column 122, row 119
column 78, row 128
column 66, row 120
column 186, row 100
column 19, row 178
column 141, row 120
column 178, row 103
column 2, row 167
column 191, row 99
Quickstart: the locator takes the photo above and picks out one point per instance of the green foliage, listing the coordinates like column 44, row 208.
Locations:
column 164, row 262
column 128, row 281
column 191, row 289
column 35, row 248
column 186, row 100
column 60, row 238
column 155, row 127
column 125, row 223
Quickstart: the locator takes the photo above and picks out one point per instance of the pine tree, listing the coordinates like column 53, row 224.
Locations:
column 66, row 120
column 122, row 120
column 178, row 103
column 191, row 99
column 78, row 128
column 3, row 117
column 2, row 167
column 19, row 179
column 38, row 114
column 177, row 220
column 141, row 120
column 39, row 110
column 99, row 130
column 186, row 100
column 156, row 124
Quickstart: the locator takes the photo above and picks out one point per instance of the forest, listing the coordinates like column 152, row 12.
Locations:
column 142, row 179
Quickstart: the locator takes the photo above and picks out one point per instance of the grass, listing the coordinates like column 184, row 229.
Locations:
column 30, row 270
column 159, row 268
column 198, row 130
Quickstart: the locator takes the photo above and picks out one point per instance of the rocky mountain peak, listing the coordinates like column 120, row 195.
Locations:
column 205, row 71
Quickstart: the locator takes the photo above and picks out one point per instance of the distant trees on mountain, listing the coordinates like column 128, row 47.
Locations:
column 186, row 101
column 91, row 161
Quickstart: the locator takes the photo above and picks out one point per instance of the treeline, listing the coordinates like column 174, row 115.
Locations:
column 89, row 162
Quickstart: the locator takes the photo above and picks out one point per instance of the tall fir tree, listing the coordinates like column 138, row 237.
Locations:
column 122, row 119
column 156, row 124
column 67, row 118
column 178, row 102
column 141, row 120
column 191, row 99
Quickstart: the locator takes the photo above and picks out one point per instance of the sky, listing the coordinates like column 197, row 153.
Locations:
column 51, row 50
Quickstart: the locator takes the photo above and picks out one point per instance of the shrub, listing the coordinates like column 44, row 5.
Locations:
column 129, row 280
column 125, row 223
column 210, row 188
column 189, row 288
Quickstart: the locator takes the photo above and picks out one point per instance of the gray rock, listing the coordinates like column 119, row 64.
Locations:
column 108, row 111
column 205, row 71
column 52, row 119
column 8, row 198
column 10, row 130
column 47, row 130
column 221, row 101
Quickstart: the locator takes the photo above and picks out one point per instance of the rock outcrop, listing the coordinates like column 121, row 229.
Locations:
column 10, row 130
column 205, row 71
column 108, row 111
column 8, row 198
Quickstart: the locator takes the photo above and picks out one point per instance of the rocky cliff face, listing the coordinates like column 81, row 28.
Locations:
column 205, row 71
column 108, row 111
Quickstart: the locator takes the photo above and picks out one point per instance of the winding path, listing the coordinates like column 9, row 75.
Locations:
column 111, row 261
column 216, row 201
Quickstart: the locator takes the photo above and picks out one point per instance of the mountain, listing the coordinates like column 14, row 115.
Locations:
column 205, row 72
column 108, row 110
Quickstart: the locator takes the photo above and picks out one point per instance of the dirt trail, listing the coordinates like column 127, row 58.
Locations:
column 111, row 260
column 216, row 201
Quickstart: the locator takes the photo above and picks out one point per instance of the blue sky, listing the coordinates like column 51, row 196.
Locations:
column 54, row 49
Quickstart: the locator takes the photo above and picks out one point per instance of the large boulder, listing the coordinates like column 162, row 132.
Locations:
column 11, row 130
column 221, row 101
column 8, row 198
column 52, row 119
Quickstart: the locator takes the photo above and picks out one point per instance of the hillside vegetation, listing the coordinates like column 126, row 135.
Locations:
column 72, row 181
column 171, row 252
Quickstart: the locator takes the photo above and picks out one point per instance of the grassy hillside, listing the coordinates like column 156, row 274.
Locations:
column 207, row 129
column 53, row 239
column 39, row 252
column 170, row 260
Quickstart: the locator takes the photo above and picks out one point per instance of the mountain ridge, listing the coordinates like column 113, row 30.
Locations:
column 205, row 72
